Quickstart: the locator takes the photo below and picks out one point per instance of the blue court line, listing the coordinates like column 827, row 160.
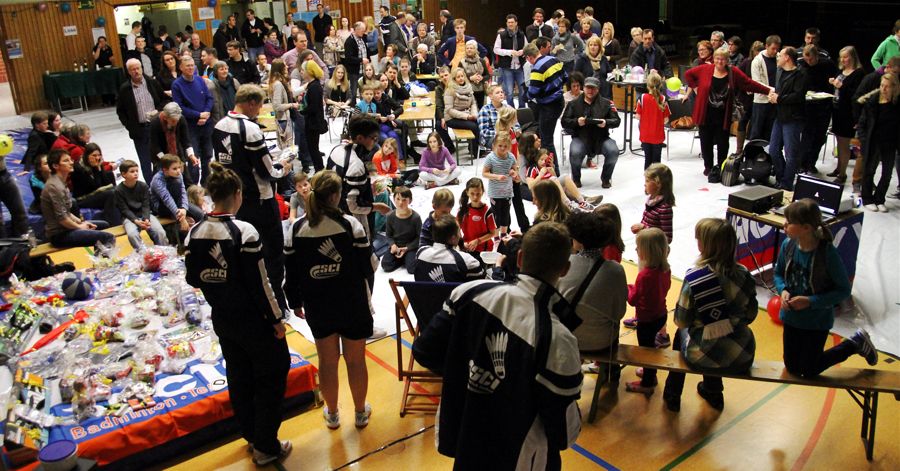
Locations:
column 577, row 448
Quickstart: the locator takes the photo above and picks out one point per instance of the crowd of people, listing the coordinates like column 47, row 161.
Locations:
column 203, row 161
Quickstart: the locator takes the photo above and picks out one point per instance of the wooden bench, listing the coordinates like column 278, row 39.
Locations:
column 461, row 136
column 117, row 231
column 863, row 384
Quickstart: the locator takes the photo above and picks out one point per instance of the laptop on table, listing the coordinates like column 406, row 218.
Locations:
column 827, row 194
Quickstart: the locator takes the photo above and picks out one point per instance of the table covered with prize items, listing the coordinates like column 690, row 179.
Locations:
column 133, row 365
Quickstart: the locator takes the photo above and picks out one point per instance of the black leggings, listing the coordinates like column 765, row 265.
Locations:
column 711, row 136
column 803, row 354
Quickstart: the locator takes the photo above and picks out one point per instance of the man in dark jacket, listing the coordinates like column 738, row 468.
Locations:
column 508, row 49
column 253, row 31
column 818, row 68
column 384, row 25
column 37, row 139
column 538, row 28
column 397, row 38
column 651, row 56
column 140, row 98
column 241, row 69
column 446, row 26
column 355, row 56
column 320, row 24
column 589, row 118
column 226, row 33
column 789, row 98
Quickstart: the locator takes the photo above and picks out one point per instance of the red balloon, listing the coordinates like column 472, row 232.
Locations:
column 774, row 308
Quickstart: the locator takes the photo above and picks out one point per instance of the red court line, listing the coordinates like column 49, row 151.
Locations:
column 820, row 424
column 393, row 371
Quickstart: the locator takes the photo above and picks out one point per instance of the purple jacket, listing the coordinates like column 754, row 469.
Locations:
column 431, row 162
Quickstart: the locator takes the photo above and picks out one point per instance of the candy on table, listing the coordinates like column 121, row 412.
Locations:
column 181, row 349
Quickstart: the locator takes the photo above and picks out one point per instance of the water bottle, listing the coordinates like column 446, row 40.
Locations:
column 75, row 66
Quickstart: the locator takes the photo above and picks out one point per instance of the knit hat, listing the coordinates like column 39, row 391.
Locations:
column 592, row 82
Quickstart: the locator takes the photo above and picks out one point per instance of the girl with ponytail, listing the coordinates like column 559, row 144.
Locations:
column 653, row 111
column 329, row 271
column 811, row 279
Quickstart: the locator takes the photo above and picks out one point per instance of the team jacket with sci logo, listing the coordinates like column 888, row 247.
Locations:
column 512, row 374
column 224, row 259
column 327, row 267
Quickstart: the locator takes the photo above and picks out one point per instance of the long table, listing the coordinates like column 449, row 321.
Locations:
column 419, row 109
column 80, row 85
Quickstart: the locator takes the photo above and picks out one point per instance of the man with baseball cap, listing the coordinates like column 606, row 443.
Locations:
column 589, row 118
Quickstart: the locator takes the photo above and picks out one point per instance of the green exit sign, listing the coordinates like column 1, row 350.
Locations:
column 85, row 4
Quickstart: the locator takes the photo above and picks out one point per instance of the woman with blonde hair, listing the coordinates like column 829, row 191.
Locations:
column 313, row 110
column 878, row 125
column 369, row 78
column 283, row 103
column 460, row 111
column 637, row 35
column 843, row 122
column 584, row 29
column 610, row 44
column 593, row 63
column 372, row 36
column 337, row 92
column 549, row 202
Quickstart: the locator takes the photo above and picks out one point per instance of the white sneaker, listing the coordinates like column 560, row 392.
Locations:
column 362, row 418
column 262, row 459
column 377, row 333
column 882, row 208
column 872, row 207
column 332, row 421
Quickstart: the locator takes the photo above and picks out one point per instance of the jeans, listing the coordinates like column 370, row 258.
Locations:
column 521, row 216
column 255, row 52
column 883, row 154
column 194, row 212
column 445, row 136
column 354, row 84
column 258, row 365
column 762, row 121
column 510, row 77
column 578, row 150
column 201, row 141
column 105, row 200
column 713, row 135
column 803, row 354
column 675, row 380
column 387, row 131
column 84, row 237
column 785, row 136
column 390, row 263
column 547, row 115
column 12, row 199
column 142, row 147
column 652, row 154
column 815, row 133
column 263, row 215
column 302, row 146
column 156, row 232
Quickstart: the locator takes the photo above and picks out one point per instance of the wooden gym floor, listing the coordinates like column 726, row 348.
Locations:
column 763, row 426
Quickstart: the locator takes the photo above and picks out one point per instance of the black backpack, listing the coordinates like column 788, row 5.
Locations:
column 757, row 163
column 731, row 169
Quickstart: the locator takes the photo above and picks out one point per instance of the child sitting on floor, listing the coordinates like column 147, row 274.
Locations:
column 402, row 228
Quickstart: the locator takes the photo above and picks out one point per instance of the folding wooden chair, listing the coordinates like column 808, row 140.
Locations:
column 426, row 299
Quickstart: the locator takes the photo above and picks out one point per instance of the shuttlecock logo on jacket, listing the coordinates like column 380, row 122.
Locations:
column 327, row 270
column 436, row 274
column 218, row 274
column 483, row 380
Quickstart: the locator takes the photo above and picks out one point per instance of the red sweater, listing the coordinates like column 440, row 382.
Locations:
column 385, row 165
column 478, row 222
column 700, row 79
column 73, row 148
column 652, row 120
column 648, row 293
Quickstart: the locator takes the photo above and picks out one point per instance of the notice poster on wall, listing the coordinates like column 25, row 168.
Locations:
column 206, row 13
column 70, row 30
column 199, row 26
column 97, row 32
column 14, row 48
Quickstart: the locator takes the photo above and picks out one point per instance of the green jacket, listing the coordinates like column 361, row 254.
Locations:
column 888, row 48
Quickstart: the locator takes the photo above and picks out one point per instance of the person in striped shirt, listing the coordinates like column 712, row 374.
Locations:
column 545, row 89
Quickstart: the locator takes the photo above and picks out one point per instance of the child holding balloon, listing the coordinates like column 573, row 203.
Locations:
column 653, row 111
column 811, row 279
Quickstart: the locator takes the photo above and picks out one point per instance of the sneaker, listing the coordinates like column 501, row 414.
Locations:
column 715, row 400
column 894, row 196
column 865, row 347
column 706, row 172
column 594, row 200
column 882, row 208
column 262, row 459
column 635, row 387
column 362, row 418
column 606, row 184
column 631, row 322
column 872, row 207
column 332, row 421
column 430, row 185
column 662, row 340
column 455, row 181
column 585, row 206
column 377, row 333
column 590, row 368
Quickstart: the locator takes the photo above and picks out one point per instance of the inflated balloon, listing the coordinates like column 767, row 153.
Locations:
column 293, row 4
column 637, row 70
column 101, row 21
column 774, row 308
column 673, row 84
column 6, row 144
column 65, row 7
column 672, row 93
column 42, row 7
column 212, row 3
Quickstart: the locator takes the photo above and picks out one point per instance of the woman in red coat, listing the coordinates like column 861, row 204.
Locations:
column 716, row 86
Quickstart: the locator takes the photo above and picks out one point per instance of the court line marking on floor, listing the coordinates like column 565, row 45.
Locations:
column 709, row 438
column 575, row 447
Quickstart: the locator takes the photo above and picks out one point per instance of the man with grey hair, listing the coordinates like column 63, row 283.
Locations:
column 140, row 98
column 169, row 135
column 355, row 56
column 717, row 39
column 191, row 92
column 195, row 47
